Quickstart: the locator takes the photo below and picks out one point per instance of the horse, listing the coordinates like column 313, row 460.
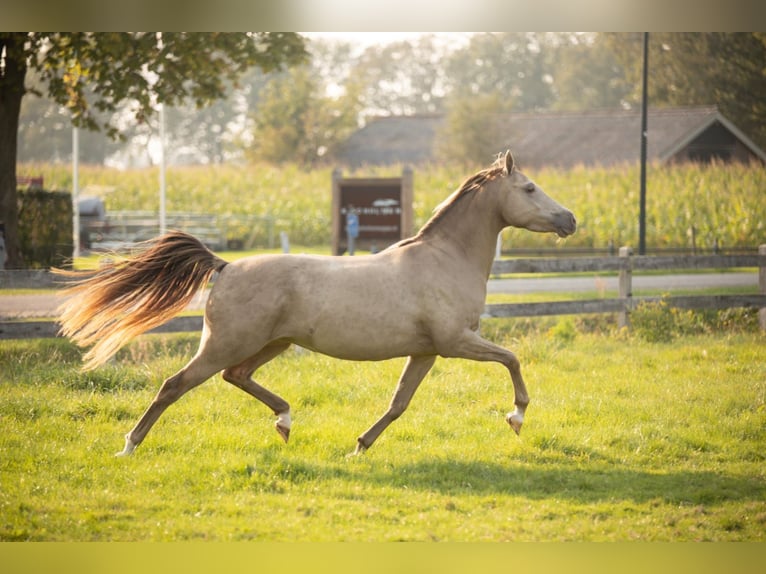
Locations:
column 420, row 298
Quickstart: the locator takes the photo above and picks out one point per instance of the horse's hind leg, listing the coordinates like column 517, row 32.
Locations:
column 196, row 372
column 240, row 376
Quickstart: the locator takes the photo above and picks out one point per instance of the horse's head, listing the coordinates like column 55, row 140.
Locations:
column 525, row 205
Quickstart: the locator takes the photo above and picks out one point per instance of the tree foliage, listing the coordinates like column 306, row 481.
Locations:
column 405, row 77
column 587, row 75
column 534, row 71
column 148, row 68
column 91, row 74
column 295, row 121
column 723, row 69
column 512, row 64
column 45, row 131
column 471, row 130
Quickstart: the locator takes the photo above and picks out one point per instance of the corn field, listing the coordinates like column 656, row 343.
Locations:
column 713, row 205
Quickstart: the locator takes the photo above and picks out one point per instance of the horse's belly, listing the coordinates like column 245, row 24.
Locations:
column 360, row 337
column 355, row 350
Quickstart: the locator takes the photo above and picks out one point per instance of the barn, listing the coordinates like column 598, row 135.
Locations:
column 565, row 139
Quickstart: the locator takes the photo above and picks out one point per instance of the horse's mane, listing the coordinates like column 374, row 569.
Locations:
column 469, row 187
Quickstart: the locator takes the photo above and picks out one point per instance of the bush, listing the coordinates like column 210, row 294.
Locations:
column 564, row 330
column 45, row 228
column 658, row 322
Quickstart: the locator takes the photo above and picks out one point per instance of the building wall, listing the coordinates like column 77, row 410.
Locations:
column 715, row 143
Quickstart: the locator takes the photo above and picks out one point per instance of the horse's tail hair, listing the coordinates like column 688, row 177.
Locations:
column 109, row 306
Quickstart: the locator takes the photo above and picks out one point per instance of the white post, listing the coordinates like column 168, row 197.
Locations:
column 626, row 287
column 76, row 192
column 285, row 241
column 163, row 216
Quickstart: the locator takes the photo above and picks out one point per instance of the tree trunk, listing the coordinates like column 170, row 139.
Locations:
column 13, row 69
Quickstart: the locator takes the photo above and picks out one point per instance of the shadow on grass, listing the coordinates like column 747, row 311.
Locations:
column 573, row 481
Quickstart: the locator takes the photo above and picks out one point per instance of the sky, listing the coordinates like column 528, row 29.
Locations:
column 365, row 39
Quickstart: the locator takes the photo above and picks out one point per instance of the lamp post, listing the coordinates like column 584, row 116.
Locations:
column 642, row 206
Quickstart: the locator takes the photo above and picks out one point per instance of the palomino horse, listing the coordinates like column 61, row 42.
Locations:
column 420, row 298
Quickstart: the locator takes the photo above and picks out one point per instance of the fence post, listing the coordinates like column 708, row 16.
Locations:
column 337, row 175
column 762, row 286
column 625, row 286
column 408, row 190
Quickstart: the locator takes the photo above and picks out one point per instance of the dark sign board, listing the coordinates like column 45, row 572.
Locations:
column 383, row 207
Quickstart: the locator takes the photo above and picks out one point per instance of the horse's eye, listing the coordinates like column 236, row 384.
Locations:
column 529, row 188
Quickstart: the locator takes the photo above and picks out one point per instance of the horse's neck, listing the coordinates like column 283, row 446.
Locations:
column 470, row 235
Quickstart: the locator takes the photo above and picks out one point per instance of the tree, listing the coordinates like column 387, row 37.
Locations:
column 513, row 64
column 145, row 68
column 685, row 69
column 588, row 76
column 471, row 130
column 405, row 77
column 199, row 134
column 295, row 121
column 45, row 131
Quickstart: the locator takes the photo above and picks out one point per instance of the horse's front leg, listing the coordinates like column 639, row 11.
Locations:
column 471, row 346
column 414, row 372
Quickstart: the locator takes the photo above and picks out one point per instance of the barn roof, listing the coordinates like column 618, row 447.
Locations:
column 561, row 139
column 393, row 139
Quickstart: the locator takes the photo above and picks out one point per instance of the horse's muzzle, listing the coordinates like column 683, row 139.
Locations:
column 566, row 224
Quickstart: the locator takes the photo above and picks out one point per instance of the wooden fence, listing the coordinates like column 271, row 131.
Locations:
column 625, row 264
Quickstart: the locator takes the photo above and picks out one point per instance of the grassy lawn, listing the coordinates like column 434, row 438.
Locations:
column 624, row 440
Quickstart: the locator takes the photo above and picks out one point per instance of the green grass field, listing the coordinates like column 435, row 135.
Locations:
column 624, row 440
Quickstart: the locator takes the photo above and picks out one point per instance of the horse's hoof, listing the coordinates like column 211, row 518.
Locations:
column 283, row 431
column 359, row 450
column 128, row 450
column 515, row 420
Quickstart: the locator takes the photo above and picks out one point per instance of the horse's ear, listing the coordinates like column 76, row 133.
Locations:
column 509, row 167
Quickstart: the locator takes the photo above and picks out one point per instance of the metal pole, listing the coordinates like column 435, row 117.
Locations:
column 75, row 192
column 644, row 98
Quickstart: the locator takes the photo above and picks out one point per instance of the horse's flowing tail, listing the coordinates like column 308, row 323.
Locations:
column 109, row 306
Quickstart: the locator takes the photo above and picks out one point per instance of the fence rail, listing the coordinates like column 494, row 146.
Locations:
column 623, row 304
column 216, row 231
